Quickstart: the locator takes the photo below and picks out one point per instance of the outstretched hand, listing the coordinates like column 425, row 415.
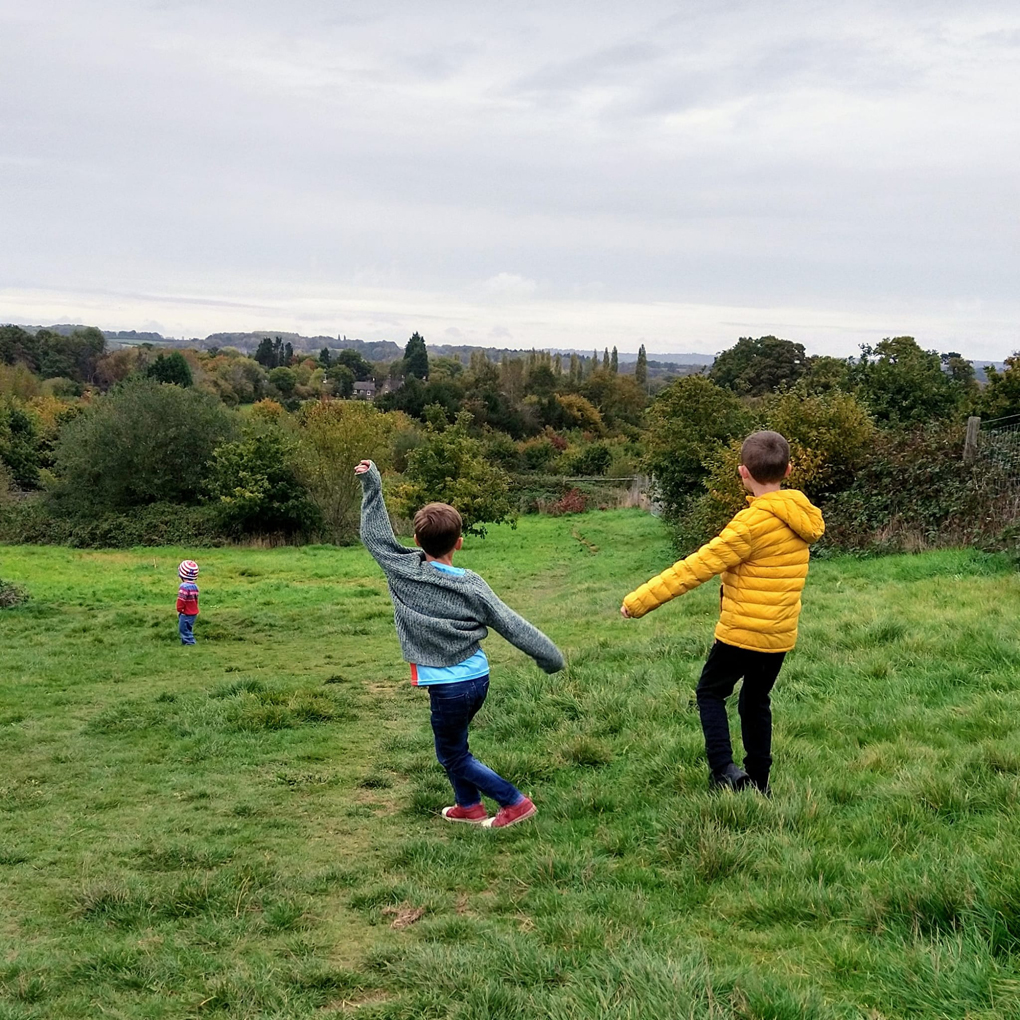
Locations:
column 624, row 612
column 364, row 466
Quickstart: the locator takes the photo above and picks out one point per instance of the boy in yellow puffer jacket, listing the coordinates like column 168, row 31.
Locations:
column 762, row 555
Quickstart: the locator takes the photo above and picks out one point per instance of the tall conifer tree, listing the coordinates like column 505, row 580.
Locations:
column 416, row 357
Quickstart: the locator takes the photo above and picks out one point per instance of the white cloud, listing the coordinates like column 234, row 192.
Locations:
column 507, row 287
column 855, row 164
column 391, row 314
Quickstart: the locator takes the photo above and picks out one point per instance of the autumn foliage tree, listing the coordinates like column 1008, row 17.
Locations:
column 450, row 467
column 332, row 437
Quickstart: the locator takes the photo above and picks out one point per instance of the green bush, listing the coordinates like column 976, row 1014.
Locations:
column 39, row 521
column 831, row 436
column 538, row 453
column 591, row 460
column 915, row 492
column 912, row 492
column 332, row 436
column 170, row 368
column 254, row 486
column 689, row 423
column 406, row 439
column 145, row 442
column 19, row 444
column 283, row 379
column 1001, row 397
column 450, row 467
column 501, row 450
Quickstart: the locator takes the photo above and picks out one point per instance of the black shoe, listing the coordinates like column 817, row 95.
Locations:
column 760, row 783
column 730, row 778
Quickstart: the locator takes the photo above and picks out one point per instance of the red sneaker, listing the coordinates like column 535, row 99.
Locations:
column 511, row 815
column 474, row 814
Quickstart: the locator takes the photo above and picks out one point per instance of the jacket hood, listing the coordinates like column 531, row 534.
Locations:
column 795, row 510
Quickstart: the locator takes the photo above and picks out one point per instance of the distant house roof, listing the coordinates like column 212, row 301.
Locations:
column 365, row 387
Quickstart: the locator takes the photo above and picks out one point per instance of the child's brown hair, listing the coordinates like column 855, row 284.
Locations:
column 766, row 455
column 437, row 526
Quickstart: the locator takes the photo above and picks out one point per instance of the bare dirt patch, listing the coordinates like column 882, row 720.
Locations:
column 404, row 916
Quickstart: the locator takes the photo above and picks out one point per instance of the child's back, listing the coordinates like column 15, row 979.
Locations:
column 441, row 616
column 442, row 613
column 762, row 555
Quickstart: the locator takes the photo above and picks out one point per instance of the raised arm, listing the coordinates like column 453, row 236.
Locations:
column 376, row 531
column 727, row 549
column 521, row 634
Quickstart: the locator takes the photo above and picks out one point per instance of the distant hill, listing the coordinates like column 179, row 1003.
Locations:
column 670, row 359
column 61, row 328
column 464, row 352
column 659, row 363
column 979, row 369
column 133, row 336
column 373, row 350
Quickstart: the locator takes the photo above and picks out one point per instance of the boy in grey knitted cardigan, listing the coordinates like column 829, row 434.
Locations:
column 442, row 612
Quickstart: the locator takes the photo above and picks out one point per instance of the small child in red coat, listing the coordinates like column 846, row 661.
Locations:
column 187, row 601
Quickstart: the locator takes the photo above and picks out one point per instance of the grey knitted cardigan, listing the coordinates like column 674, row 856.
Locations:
column 441, row 618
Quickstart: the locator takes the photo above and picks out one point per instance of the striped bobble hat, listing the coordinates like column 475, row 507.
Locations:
column 188, row 570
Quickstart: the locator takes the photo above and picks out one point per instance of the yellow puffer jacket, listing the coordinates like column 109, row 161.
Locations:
column 762, row 555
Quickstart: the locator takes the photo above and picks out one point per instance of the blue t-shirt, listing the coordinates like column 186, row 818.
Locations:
column 471, row 668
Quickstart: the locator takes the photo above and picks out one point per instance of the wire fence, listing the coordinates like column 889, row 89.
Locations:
column 999, row 450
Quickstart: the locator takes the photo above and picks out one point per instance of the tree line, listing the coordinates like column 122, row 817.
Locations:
column 139, row 444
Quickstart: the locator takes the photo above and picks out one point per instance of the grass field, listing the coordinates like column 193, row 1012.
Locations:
column 248, row 828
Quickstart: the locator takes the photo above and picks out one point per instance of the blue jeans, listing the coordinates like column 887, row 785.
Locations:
column 185, row 627
column 453, row 708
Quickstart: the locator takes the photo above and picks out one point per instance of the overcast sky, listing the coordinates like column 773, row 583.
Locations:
column 527, row 174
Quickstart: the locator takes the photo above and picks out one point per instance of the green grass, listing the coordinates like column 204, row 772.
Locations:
column 248, row 828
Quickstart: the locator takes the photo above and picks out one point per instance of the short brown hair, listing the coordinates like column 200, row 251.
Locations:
column 437, row 526
column 766, row 455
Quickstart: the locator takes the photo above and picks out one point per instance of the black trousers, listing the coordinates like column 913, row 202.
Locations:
column 724, row 667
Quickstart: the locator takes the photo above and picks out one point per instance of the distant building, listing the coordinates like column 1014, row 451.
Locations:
column 364, row 391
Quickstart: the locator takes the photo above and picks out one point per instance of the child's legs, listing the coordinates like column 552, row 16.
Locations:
column 453, row 708
column 755, row 707
column 186, row 628
column 722, row 670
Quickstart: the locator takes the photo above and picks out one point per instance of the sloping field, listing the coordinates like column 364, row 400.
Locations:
column 248, row 828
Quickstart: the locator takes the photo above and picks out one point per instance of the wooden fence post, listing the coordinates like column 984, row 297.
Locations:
column 970, row 443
